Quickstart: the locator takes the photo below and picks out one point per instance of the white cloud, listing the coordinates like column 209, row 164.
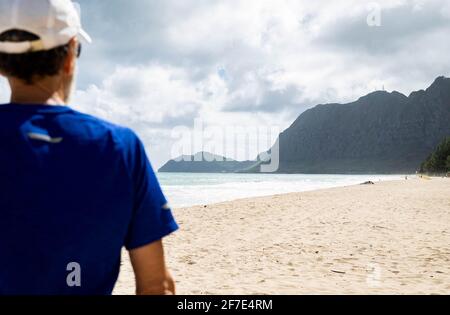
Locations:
column 158, row 64
column 154, row 99
column 151, row 99
column 255, row 61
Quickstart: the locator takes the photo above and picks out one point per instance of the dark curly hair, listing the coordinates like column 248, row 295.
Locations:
column 30, row 65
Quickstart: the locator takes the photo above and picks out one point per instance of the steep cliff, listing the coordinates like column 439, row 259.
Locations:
column 379, row 133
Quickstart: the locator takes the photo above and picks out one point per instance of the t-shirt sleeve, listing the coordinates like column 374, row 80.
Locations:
column 152, row 218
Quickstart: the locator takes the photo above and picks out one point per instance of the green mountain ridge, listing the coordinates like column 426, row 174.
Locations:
column 204, row 162
column 381, row 132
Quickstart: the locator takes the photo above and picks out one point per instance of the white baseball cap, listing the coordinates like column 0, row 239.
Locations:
column 55, row 22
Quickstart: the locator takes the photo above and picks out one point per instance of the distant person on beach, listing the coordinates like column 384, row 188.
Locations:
column 74, row 189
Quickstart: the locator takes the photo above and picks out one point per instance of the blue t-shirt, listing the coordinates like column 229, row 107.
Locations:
column 74, row 190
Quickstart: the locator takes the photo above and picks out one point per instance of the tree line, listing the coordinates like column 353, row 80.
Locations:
column 439, row 160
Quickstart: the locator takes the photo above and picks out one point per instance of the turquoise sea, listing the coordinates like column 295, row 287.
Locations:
column 188, row 189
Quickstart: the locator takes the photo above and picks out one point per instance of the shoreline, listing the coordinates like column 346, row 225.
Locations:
column 230, row 189
column 389, row 238
column 283, row 194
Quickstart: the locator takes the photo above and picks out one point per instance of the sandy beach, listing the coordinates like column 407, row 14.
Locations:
column 388, row 238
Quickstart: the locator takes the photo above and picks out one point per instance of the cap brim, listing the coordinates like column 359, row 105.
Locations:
column 85, row 36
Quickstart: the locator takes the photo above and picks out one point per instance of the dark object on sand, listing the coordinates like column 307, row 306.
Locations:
column 339, row 272
column 368, row 183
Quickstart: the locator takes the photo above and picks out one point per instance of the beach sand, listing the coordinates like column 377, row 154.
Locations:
column 387, row 238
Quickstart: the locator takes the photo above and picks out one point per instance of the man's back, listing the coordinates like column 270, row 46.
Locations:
column 73, row 191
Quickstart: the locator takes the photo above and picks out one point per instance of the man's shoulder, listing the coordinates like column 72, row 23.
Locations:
column 97, row 128
column 98, row 122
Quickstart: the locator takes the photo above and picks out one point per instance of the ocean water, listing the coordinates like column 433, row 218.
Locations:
column 188, row 189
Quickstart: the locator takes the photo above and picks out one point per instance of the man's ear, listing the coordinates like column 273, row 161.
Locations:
column 69, row 63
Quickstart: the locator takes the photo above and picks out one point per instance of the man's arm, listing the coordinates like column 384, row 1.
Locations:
column 152, row 276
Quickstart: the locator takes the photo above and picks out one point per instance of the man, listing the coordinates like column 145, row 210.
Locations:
column 74, row 190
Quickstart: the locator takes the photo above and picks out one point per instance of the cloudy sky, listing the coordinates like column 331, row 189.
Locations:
column 158, row 64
